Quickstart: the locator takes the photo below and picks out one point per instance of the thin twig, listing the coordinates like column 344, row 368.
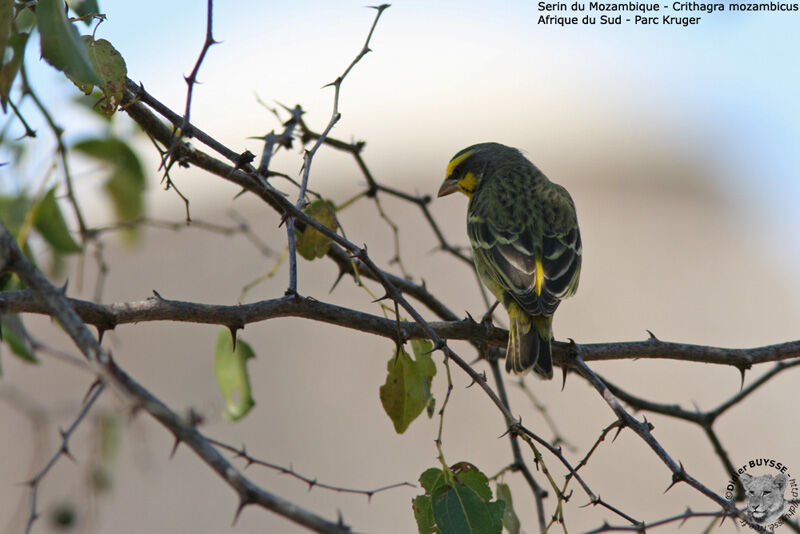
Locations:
column 63, row 450
column 309, row 155
column 12, row 258
column 311, row 482
column 61, row 148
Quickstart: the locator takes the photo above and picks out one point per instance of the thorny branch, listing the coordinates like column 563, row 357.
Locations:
column 309, row 155
column 158, row 308
column 63, row 450
column 311, row 482
column 109, row 372
column 742, row 359
column 353, row 260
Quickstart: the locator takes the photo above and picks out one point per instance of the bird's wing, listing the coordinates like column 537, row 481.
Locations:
column 537, row 259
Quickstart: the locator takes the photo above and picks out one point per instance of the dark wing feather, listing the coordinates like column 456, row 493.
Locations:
column 507, row 247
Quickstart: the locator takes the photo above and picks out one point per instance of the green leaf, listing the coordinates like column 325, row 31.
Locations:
column 50, row 223
column 432, row 479
column 496, row 510
column 13, row 211
column 126, row 194
column 14, row 336
column 233, row 379
column 126, row 184
column 26, row 19
column 423, row 513
column 312, row 243
column 460, row 510
column 9, row 70
column 86, row 7
column 110, row 66
column 61, row 44
column 471, row 476
column 404, row 394
column 510, row 519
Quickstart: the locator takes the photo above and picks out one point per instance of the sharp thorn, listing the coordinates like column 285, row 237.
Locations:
column 233, row 336
column 239, row 509
column 94, row 385
column 342, row 272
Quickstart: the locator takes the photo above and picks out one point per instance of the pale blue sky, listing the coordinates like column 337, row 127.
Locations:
column 445, row 74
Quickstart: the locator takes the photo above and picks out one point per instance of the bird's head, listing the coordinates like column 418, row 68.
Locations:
column 470, row 165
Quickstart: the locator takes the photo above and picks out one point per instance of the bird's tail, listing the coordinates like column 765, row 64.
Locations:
column 529, row 344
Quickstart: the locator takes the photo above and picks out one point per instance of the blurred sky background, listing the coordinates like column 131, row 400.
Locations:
column 446, row 74
column 679, row 146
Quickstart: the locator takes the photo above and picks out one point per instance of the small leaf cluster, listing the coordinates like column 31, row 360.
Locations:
column 459, row 501
column 36, row 217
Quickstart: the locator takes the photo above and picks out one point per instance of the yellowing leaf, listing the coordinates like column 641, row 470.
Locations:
column 50, row 223
column 312, row 243
column 407, row 389
column 110, row 66
column 230, row 368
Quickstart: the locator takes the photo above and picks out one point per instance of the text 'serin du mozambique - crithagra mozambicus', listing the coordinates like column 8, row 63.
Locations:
column 525, row 244
column 647, row 13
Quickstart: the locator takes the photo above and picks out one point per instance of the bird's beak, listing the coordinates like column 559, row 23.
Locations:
column 448, row 186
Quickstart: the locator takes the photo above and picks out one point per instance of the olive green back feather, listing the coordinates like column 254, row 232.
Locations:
column 515, row 217
column 525, row 241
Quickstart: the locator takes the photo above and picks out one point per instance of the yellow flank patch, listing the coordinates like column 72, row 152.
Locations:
column 539, row 276
column 468, row 184
column 455, row 162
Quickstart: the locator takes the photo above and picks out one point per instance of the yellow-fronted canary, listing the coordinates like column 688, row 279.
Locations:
column 525, row 242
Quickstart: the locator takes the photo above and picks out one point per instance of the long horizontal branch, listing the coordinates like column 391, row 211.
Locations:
column 157, row 308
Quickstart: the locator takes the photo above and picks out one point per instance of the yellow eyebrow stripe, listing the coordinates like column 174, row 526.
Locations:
column 539, row 276
column 455, row 162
